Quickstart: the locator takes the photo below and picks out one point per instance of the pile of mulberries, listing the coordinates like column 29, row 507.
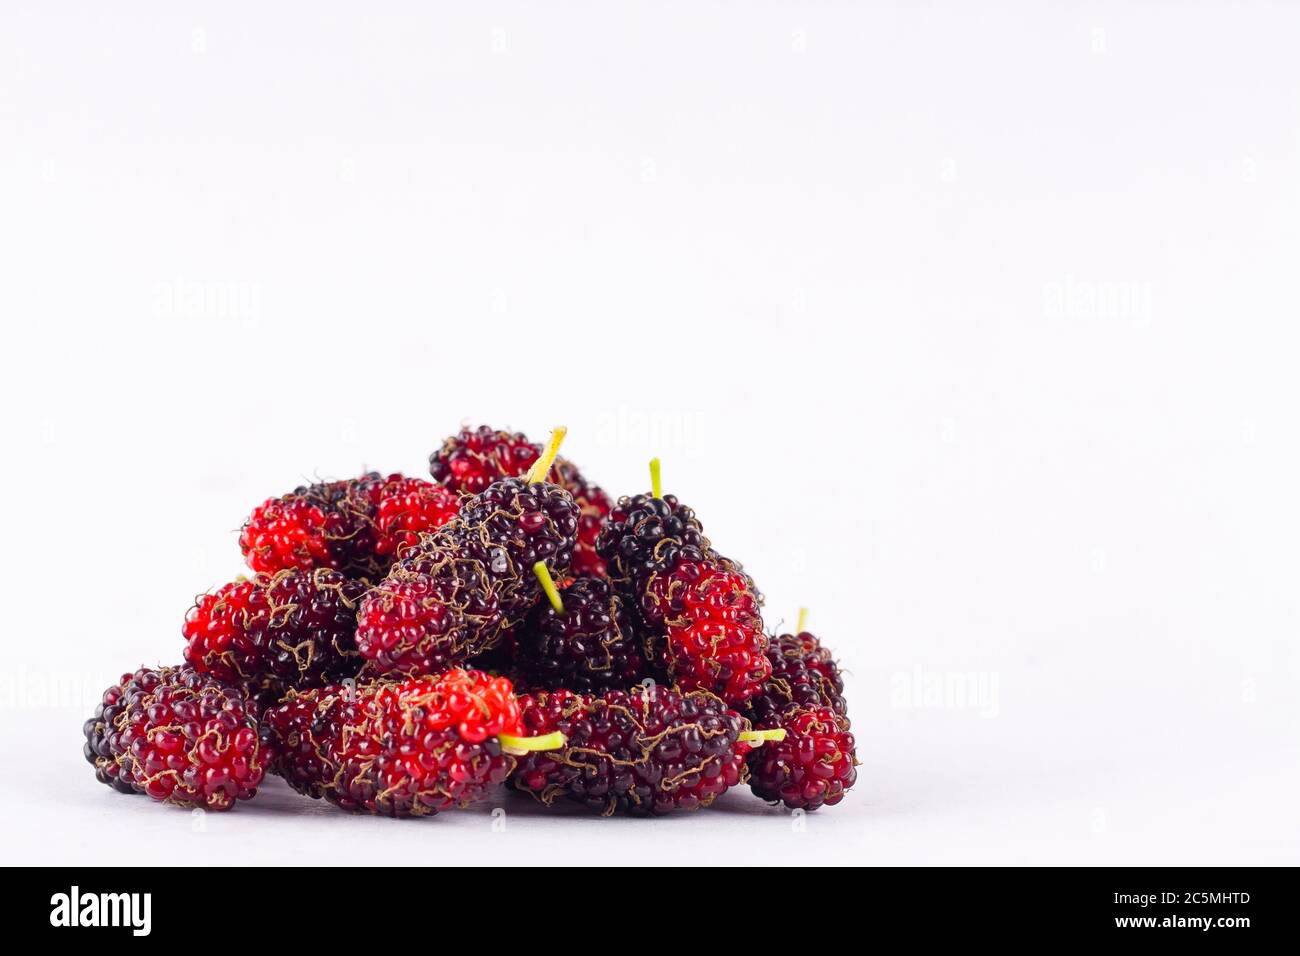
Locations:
column 403, row 647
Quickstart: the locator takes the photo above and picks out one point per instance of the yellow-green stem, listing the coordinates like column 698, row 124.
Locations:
column 523, row 745
column 656, row 486
column 548, row 585
column 803, row 620
column 761, row 736
column 542, row 466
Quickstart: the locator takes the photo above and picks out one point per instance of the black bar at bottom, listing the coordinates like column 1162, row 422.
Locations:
column 142, row 906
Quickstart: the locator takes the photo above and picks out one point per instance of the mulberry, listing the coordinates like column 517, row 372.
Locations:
column 293, row 628
column 804, row 674
column 645, row 535
column 420, row 623
column 470, row 461
column 699, row 610
column 650, row 750
column 474, row 458
column 587, row 645
column 407, row 508
column 714, row 636
column 356, row 526
column 99, row 728
column 814, row 765
column 178, row 736
column 399, row 748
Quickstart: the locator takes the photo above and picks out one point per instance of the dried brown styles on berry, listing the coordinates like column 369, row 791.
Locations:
column 650, row 750
column 591, row 646
column 178, row 736
column 460, row 590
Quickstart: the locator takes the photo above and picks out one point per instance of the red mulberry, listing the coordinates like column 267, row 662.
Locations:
column 178, row 736
column 649, row 750
column 458, row 592
column 397, row 748
column 474, row 458
column 407, row 508
column 593, row 505
column 714, row 633
column 470, row 461
column 356, row 526
column 814, row 765
column 291, row 629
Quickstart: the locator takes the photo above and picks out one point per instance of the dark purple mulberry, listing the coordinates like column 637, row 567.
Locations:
column 98, row 729
column 804, row 674
column 644, row 534
column 649, row 750
column 590, row 648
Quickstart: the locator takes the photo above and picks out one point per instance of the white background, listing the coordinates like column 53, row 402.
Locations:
column 973, row 330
